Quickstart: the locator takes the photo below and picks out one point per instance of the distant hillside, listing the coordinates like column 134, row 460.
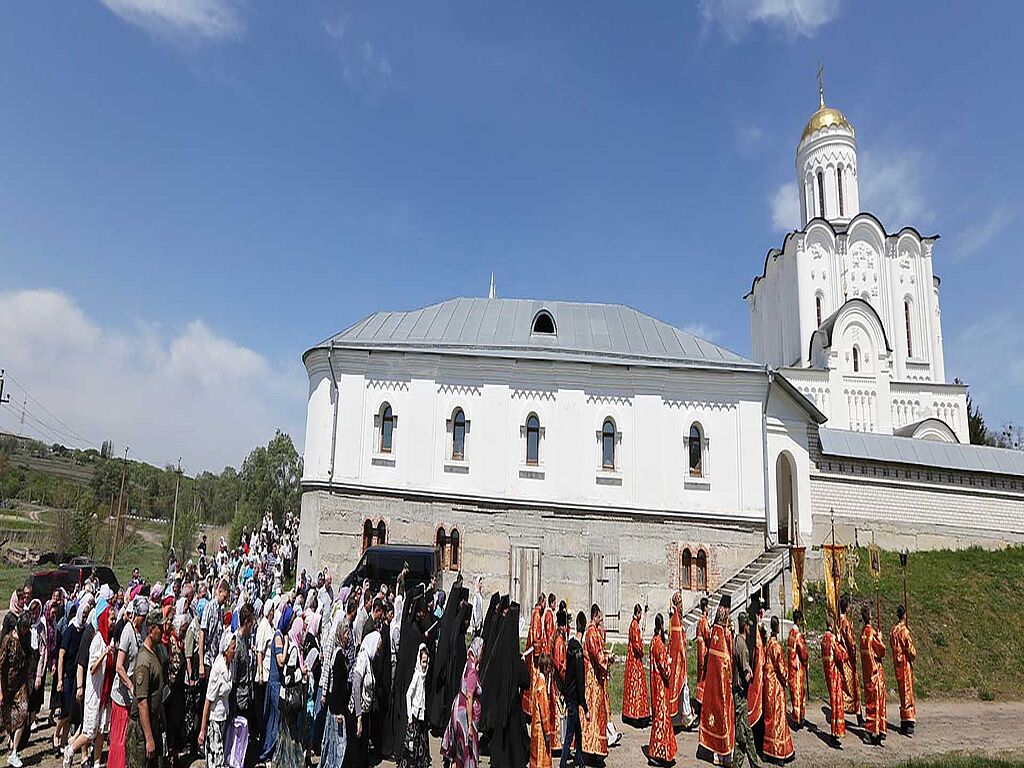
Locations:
column 61, row 467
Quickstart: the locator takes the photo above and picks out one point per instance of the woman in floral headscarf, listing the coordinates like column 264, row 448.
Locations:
column 460, row 744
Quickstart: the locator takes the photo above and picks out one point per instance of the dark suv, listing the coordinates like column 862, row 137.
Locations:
column 70, row 575
column 382, row 564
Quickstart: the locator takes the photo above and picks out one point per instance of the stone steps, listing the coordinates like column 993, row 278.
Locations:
column 744, row 583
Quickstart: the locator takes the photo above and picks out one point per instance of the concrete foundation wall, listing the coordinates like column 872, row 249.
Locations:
column 615, row 561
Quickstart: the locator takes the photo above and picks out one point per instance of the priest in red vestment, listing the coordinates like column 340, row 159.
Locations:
column 679, row 691
column 703, row 640
column 596, row 666
column 542, row 724
column 903, row 655
column 636, row 706
column 549, row 625
column 778, row 741
column 755, row 693
column 872, row 651
column 534, row 643
column 797, row 648
column 717, row 734
column 833, row 657
column 559, row 659
column 847, row 636
column 662, row 746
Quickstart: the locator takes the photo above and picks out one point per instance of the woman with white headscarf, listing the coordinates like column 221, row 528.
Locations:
column 363, row 685
column 213, row 729
column 416, row 749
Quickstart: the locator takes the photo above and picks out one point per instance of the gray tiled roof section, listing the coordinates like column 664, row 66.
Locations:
column 503, row 328
column 930, row 453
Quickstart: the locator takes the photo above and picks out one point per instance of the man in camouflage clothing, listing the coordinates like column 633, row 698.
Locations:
column 144, row 741
column 741, row 677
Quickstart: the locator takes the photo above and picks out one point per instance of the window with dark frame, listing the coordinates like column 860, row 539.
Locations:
column 702, row 570
column 382, row 533
column 821, row 194
column 454, row 544
column 459, row 435
column 532, row 440
column 856, row 360
column 839, row 186
column 686, row 576
column 608, row 444
column 818, row 308
column 387, row 428
column 367, row 534
column 910, row 335
column 696, row 449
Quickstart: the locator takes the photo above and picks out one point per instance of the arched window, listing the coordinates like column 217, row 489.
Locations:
column 608, row 444
column 459, row 435
column 532, row 439
column 695, row 446
column 367, row 534
column 856, row 359
column 382, row 533
column 543, row 322
column 702, row 570
column 819, row 308
column 454, row 542
column 910, row 328
column 821, row 194
column 839, row 186
column 686, row 575
column 441, row 539
column 387, row 428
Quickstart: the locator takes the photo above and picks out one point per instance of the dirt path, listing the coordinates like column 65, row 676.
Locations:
column 971, row 727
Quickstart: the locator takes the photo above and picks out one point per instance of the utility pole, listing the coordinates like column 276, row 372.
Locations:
column 120, row 497
column 21, row 426
column 174, row 518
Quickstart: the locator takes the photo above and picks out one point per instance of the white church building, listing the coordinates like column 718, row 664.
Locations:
column 597, row 452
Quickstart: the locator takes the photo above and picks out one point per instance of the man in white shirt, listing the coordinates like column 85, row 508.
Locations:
column 476, row 623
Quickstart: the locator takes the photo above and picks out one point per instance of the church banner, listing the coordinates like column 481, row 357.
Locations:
column 796, row 561
column 834, row 561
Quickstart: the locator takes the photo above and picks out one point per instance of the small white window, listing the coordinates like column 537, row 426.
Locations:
column 387, row 428
column 608, row 444
column 543, row 322
column 856, row 360
column 695, row 449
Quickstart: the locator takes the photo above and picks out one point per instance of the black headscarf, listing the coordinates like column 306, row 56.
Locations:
column 409, row 639
column 502, row 684
column 491, row 619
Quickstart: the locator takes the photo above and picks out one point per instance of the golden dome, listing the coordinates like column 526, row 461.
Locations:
column 823, row 118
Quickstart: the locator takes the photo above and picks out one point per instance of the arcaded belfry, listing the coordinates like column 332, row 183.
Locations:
column 597, row 452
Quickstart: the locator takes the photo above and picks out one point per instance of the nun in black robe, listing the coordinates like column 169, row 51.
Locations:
column 410, row 636
column 445, row 666
column 378, row 719
column 502, row 684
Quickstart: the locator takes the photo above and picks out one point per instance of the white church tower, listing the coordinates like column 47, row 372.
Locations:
column 826, row 165
column 848, row 311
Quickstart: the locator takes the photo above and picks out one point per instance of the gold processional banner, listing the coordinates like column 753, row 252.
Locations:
column 875, row 560
column 834, row 561
column 797, row 555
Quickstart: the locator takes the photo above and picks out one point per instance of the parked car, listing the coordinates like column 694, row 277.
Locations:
column 382, row 564
column 69, row 575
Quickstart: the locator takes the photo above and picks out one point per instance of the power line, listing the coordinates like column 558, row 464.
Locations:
column 68, row 429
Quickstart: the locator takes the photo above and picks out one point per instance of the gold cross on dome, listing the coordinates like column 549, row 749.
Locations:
column 821, row 85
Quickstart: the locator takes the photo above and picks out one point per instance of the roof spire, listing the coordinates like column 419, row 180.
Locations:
column 821, row 85
column 491, row 293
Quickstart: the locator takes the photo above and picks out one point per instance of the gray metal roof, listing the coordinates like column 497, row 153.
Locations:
column 610, row 333
column 930, row 453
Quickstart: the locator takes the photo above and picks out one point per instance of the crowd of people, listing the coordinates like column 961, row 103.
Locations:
column 222, row 661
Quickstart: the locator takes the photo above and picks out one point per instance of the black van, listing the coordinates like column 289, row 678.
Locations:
column 382, row 564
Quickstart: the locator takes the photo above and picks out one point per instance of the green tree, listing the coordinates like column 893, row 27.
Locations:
column 976, row 428
column 269, row 481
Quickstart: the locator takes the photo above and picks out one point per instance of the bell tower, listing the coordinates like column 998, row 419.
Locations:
column 826, row 165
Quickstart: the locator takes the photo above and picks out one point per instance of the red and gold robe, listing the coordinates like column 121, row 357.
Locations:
column 872, row 651
column 755, row 692
column 595, row 662
column 717, row 731
column 833, row 658
column 636, row 706
column 703, row 641
column 542, row 723
column 662, row 745
column 797, row 675
column 851, row 687
column 549, row 629
column 534, row 640
column 778, row 742
column 676, row 661
column 903, row 655
column 559, row 649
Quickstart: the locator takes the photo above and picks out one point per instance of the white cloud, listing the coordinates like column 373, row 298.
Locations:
column 793, row 17
column 977, row 236
column 198, row 395
column 214, row 20
column 702, row 331
column 785, row 207
column 892, row 183
column 366, row 69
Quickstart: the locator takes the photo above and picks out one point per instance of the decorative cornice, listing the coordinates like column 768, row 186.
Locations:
column 396, row 384
column 444, row 388
column 533, row 394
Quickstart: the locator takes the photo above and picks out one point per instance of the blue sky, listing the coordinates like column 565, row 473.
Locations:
column 194, row 192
